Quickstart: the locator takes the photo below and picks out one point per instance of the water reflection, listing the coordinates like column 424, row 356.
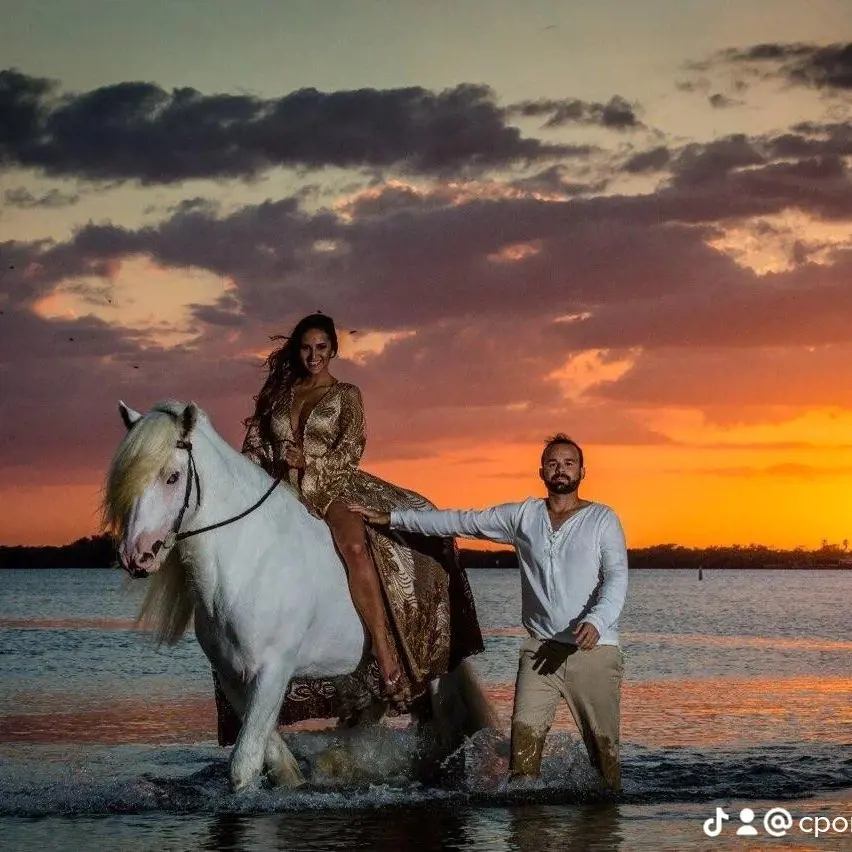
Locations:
column 68, row 624
column 527, row 828
column 227, row 832
column 701, row 712
column 411, row 828
column 553, row 828
column 186, row 719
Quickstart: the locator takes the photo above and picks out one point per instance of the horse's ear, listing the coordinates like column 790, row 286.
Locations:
column 128, row 415
column 189, row 418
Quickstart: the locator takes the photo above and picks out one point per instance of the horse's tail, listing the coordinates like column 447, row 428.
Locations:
column 459, row 706
column 168, row 605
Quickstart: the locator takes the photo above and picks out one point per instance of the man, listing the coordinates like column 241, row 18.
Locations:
column 573, row 562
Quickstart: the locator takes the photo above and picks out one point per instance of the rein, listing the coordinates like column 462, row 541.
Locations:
column 192, row 475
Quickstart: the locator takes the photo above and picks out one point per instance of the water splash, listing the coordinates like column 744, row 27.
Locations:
column 384, row 767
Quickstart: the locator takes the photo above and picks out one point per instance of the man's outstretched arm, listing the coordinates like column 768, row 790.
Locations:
column 495, row 524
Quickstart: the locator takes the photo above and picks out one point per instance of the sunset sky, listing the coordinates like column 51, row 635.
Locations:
column 628, row 221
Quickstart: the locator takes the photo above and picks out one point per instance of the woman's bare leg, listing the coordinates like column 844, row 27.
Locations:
column 350, row 536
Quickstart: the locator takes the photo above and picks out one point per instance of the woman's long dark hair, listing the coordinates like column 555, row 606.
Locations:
column 285, row 367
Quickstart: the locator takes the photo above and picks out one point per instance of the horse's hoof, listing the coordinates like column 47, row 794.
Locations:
column 286, row 779
column 239, row 783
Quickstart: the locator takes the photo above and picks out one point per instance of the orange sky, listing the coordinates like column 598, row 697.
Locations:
column 662, row 495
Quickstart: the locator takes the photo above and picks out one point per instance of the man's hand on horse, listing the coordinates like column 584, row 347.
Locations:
column 586, row 636
column 372, row 516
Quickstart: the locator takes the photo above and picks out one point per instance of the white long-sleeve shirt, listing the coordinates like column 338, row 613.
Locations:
column 573, row 574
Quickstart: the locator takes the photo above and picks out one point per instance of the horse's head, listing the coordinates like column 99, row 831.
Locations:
column 150, row 483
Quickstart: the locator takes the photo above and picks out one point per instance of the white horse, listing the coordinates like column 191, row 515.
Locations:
column 267, row 590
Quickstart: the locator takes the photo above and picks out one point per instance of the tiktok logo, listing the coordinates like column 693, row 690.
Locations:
column 713, row 826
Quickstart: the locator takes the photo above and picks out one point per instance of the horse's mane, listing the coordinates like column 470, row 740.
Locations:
column 147, row 446
column 139, row 458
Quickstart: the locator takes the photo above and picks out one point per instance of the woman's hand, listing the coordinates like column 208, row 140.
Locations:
column 372, row 516
column 294, row 457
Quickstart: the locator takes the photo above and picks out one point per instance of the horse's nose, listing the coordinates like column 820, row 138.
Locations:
column 135, row 560
column 131, row 566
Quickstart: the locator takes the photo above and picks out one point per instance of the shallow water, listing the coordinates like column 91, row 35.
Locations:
column 737, row 695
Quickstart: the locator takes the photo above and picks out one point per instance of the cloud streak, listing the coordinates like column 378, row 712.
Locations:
column 616, row 114
column 826, row 67
column 22, row 198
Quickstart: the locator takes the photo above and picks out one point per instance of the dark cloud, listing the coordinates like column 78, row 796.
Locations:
column 524, row 257
column 187, row 205
column 738, row 177
column 708, row 162
column 702, row 84
column 560, row 181
column 806, row 307
column 22, row 198
column 820, row 185
column 719, row 101
column 225, row 312
column 22, row 110
column 190, row 205
column 467, row 250
column 763, row 52
column 827, row 67
column 263, row 242
column 653, row 160
column 139, row 131
column 617, row 114
column 809, row 139
column 800, row 253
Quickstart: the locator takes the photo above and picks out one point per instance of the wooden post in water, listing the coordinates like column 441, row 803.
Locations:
column 700, row 572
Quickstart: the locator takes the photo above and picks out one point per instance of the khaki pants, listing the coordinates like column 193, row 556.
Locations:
column 589, row 682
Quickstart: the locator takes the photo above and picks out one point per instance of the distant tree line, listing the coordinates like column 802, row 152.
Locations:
column 91, row 552
column 676, row 556
column 737, row 556
column 99, row 552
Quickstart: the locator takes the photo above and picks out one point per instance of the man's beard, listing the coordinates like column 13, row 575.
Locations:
column 563, row 486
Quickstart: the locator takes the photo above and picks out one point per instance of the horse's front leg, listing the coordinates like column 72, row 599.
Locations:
column 258, row 740
column 278, row 760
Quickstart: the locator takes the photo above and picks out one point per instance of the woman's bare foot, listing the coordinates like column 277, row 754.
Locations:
column 393, row 683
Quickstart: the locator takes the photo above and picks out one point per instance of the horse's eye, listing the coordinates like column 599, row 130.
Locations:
column 173, row 478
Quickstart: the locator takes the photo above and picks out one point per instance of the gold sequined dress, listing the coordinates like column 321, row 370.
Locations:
column 430, row 605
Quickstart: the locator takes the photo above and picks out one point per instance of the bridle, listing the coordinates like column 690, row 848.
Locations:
column 175, row 535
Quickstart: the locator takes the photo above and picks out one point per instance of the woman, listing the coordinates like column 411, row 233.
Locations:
column 309, row 427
